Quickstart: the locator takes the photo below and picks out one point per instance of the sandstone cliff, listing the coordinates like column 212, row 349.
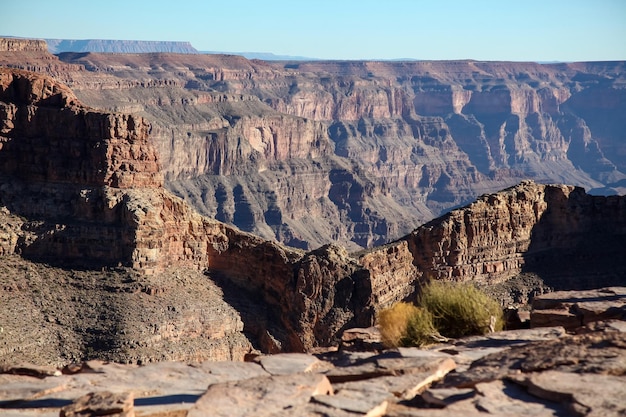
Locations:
column 374, row 147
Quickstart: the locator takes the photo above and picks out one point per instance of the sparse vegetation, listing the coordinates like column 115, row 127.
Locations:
column 444, row 309
column 461, row 309
column 394, row 322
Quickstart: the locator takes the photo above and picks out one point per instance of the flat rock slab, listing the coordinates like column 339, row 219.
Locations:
column 164, row 388
column 364, row 402
column 15, row 389
column 402, row 386
column 536, row 372
column 391, row 364
column 497, row 398
column 600, row 353
column 467, row 350
column 263, row 396
column 586, row 394
column 573, row 309
column 291, row 363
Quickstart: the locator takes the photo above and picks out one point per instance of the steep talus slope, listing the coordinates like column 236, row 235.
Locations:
column 373, row 147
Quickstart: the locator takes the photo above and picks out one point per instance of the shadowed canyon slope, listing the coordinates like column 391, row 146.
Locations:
column 356, row 153
column 152, row 279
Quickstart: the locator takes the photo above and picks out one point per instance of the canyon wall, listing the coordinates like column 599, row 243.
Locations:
column 84, row 188
column 374, row 147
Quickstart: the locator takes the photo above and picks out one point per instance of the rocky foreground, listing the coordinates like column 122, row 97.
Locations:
column 545, row 371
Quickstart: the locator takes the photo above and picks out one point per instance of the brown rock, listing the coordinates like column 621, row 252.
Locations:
column 359, row 339
column 585, row 395
column 101, row 403
column 573, row 309
column 29, row 370
column 260, row 396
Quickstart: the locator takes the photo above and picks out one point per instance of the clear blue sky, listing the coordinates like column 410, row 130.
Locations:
column 522, row 30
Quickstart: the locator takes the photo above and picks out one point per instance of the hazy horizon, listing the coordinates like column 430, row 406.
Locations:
column 539, row 31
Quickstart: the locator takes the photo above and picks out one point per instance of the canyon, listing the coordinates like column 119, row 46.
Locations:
column 193, row 234
column 110, row 264
column 348, row 152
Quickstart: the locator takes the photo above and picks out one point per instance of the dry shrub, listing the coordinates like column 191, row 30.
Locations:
column 404, row 324
column 461, row 309
column 393, row 322
column 420, row 330
column 445, row 308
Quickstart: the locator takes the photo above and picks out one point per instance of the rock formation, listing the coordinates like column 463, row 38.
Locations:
column 57, row 46
column 375, row 148
column 83, row 188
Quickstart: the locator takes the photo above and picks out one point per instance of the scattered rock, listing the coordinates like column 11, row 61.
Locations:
column 362, row 339
column 103, row 403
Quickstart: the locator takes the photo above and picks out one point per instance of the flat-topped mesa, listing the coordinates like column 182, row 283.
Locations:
column 19, row 45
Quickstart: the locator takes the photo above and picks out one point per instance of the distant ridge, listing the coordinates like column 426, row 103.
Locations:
column 264, row 56
column 56, row 46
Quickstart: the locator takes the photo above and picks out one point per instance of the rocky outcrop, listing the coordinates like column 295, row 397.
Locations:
column 20, row 45
column 525, row 228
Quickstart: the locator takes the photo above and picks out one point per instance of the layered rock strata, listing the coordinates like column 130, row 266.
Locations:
column 374, row 147
column 83, row 187
column 524, row 228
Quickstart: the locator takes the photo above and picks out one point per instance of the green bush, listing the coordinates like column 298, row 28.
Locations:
column 461, row 309
column 420, row 330
column 445, row 308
